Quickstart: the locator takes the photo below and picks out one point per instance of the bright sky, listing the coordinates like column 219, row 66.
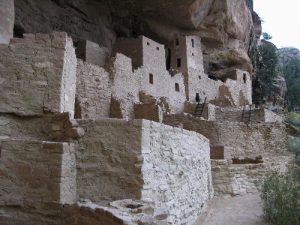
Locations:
column 281, row 21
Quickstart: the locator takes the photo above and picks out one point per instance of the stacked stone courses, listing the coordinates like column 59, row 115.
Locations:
column 99, row 137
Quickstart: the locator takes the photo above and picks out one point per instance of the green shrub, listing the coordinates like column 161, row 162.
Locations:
column 294, row 118
column 281, row 197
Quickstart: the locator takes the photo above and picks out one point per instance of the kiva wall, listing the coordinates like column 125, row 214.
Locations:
column 176, row 171
column 145, row 160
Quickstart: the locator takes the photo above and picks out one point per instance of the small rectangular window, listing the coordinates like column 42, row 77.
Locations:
column 177, row 87
column 179, row 62
column 151, row 78
column 177, row 42
column 193, row 43
column 244, row 78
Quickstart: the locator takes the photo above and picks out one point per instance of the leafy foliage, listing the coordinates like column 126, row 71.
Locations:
column 266, row 36
column 266, row 72
column 294, row 118
column 294, row 146
column 292, row 75
column 281, row 197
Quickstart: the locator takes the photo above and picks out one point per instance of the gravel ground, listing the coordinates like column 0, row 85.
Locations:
column 240, row 210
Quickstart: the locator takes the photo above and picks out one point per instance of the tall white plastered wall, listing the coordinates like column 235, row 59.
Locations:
column 176, row 172
column 7, row 19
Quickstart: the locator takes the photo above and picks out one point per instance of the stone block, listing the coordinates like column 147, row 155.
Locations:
column 34, row 173
column 145, row 160
column 38, row 75
column 149, row 112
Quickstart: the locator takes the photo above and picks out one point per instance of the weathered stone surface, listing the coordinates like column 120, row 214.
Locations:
column 76, row 214
column 93, row 91
column 285, row 55
column 149, row 112
column 245, row 114
column 34, row 172
column 80, row 19
column 176, row 171
column 240, row 179
column 92, row 53
column 32, row 128
column 246, row 140
column 107, row 158
column 7, row 19
column 145, row 160
column 38, row 75
column 226, row 27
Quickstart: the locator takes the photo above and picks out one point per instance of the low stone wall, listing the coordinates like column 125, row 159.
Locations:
column 260, row 115
column 176, row 171
column 247, row 140
column 239, row 179
column 167, row 166
column 34, row 173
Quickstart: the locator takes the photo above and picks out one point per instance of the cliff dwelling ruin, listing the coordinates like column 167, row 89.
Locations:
column 110, row 132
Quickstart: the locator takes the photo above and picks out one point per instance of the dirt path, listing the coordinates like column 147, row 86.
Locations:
column 241, row 210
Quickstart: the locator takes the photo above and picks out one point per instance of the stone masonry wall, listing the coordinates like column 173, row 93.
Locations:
column 38, row 74
column 176, row 172
column 125, row 85
column 92, row 53
column 132, row 48
column 31, row 128
column 34, row 173
column 239, row 179
column 236, row 115
column 7, row 20
column 139, row 159
column 93, row 92
column 108, row 160
column 246, row 140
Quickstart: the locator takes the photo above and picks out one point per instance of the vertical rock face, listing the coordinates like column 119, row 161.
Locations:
column 81, row 19
column 7, row 18
column 228, row 28
column 285, row 55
